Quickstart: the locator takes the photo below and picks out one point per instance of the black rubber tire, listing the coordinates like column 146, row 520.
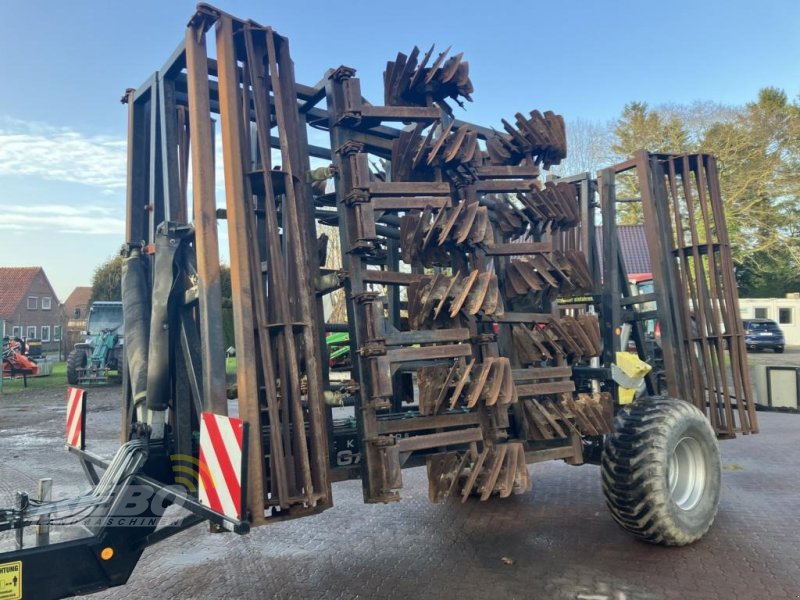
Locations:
column 76, row 360
column 779, row 350
column 635, row 470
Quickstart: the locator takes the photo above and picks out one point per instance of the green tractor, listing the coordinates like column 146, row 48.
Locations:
column 91, row 361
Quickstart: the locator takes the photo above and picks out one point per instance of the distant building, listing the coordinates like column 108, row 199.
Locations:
column 784, row 311
column 76, row 306
column 76, row 310
column 29, row 306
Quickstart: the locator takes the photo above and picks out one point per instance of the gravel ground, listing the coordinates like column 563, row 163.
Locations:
column 556, row 542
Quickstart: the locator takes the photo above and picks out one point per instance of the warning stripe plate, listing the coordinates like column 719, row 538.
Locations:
column 76, row 416
column 222, row 457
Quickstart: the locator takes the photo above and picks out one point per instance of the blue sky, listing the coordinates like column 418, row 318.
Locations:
column 65, row 65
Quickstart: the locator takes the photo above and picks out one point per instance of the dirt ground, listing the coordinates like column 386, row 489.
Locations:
column 556, row 542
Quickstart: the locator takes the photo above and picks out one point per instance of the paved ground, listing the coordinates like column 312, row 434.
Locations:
column 555, row 542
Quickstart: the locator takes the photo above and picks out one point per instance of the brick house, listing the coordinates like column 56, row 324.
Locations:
column 76, row 312
column 29, row 306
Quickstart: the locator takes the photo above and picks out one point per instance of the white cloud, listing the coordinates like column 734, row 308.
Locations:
column 62, row 218
column 31, row 149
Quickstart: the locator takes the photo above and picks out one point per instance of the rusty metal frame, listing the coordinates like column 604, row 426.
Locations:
column 271, row 214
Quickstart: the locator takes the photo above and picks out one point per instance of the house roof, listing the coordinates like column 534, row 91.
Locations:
column 79, row 297
column 632, row 244
column 14, row 284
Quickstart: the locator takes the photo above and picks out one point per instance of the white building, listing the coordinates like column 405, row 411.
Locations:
column 784, row 311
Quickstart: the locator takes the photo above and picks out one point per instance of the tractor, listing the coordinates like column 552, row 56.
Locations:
column 91, row 361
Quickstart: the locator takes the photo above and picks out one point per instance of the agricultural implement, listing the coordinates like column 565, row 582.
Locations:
column 15, row 362
column 484, row 331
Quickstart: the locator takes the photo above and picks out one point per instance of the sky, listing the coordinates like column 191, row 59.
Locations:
column 65, row 65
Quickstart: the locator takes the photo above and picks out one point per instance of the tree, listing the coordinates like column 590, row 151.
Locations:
column 759, row 155
column 107, row 280
column 641, row 128
column 588, row 147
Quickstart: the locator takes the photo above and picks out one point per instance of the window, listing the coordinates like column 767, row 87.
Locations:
column 45, row 333
column 31, row 331
column 56, row 333
column 33, row 302
column 46, row 302
column 16, row 331
column 761, row 312
column 785, row 316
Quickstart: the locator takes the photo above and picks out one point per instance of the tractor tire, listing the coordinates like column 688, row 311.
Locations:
column 661, row 471
column 76, row 360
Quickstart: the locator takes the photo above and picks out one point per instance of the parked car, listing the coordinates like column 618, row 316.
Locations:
column 763, row 333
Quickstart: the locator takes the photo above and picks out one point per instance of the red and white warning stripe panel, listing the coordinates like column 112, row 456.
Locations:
column 76, row 416
column 222, row 442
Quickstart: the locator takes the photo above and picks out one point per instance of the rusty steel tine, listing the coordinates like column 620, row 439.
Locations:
column 528, row 130
column 408, row 228
column 543, row 268
column 522, row 481
column 462, row 78
column 473, row 475
column 438, row 222
column 454, row 281
column 494, row 383
column 541, row 337
column 538, row 340
column 514, row 280
column 549, row 418
column 480, row 225
column 439, row 466
column 445, row 388
column 464, row 224
column 461, row 293
column 438, row 293
column 591, row 327
column 477, row 293
column 540, row 125
column 499, row 309
column 393, row 91
column 410, row 66
column 498, row 458
column 508, row 393
column 532, row 279
column 427, row 297
column 454, row 145
column 455, row 212
column 451, row 67
column 505, row 483
column 583, row 422
column 470, row 146
column 436, row 64
column 576, row 331
column 423, row 148
column 538, row 423
column 526, row 350
column 421, row 67
column 440, row 142
column 465, row 377
column 522, row 144
column 419, row 232
column 492, row 297
column 479, row 382
column 462, row 463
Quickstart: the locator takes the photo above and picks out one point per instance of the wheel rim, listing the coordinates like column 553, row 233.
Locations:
column 686, row 473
